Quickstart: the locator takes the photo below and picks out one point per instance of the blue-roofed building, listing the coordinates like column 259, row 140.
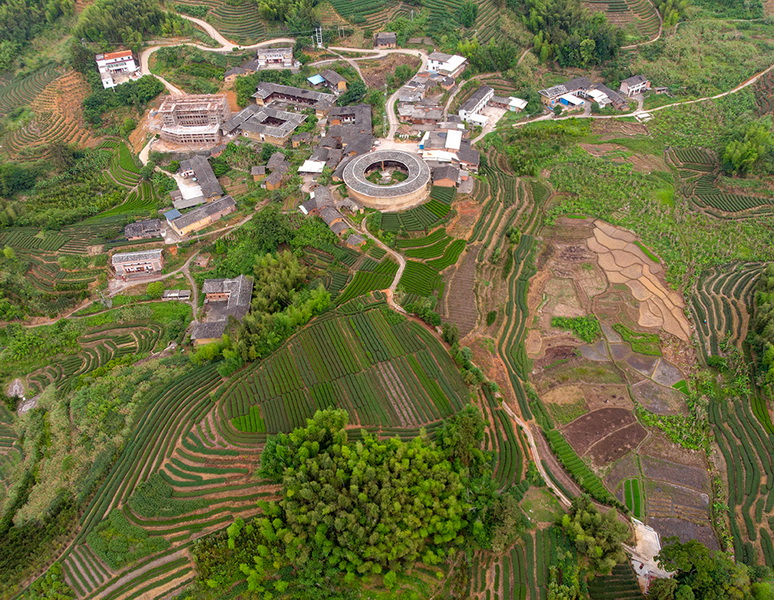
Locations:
column 172, row 214
column 316, row 80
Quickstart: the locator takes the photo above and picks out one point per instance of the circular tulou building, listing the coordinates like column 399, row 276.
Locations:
column 388, row 180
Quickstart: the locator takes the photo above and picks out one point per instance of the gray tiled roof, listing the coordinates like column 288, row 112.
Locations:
column 332, row 77
column 254, row 118
column 140, row 256
column 204, row 211
column 205, row 176
column 207, row 331
column 477, row 97
column 330, row 214
column 239, row 289
column 148, row 228
column 319, row 99
column 573, row 85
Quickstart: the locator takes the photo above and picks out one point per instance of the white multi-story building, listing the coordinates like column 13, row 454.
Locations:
column 116, row 68
column 450, row 65
column 473, row 106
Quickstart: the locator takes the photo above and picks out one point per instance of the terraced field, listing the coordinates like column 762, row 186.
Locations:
column 23, row 91
column 641, row 13
column 721, row 305
column 386, row 371
column 747, row 449
column 58, row 115
column 239, row 22
column 698, row 169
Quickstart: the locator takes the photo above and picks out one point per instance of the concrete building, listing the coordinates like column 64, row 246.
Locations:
column 203, row 216
column 636, row 84
column 267, row 93
column 116, row 68
column 550, row 96
column 476, row 103
column 193, row 119
column 131, row 265
column 451, row 65
column 385, row 39
column 143, row 230
column 277, row 58
column 263, row 124
column 334, row 82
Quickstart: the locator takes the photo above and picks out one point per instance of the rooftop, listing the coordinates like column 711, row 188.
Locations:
column 264, row 120
column 204, row 174
column 634, row 80
column 316, row 79
column 148, row 227
column 204, row 102
column 386, row 37
column 114, row 55
column 332, row 77
column 239, row 289
column 204, row 211
column 266, row 89
column 208, row 331
column 573, row 85
column 141, row 256
column 471, row 103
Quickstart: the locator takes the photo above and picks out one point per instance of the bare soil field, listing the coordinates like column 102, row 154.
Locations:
column 584, row 432
column 658, row 399
column 617, row 445
column 375, row 71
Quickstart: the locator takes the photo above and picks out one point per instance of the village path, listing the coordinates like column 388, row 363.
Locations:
column 390, row 291
column 642, row 111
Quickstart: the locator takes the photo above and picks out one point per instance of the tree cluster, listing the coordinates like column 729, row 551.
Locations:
column 298, row 15
column 21, row 20
column 356, row 508
column 751, row 149
column 568, row 32
column 701, row 574
column 762, row 334
column 112, row 23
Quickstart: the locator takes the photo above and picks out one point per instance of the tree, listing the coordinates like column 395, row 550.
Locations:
column 742, row 155
column 701, row 573
column 467, row 13
column 155, row 289
column 596, row 536
column 354, row 94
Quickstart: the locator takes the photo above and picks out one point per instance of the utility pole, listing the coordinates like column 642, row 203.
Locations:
column 318, row 36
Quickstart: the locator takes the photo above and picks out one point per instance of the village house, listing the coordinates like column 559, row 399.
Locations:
column 223, row 298
column 279, row 169
column 183, row 295
column 510, row 103
column 263, row 124
column 553, row 95
column 201, row 217
column 334, row 82
column 132, row 265
column 258, row 172
column 449, row 147
column 470, row 111
column 636, row 84
column 385, row 39
column 446, row 176
column 267, row 93
column 116, row 68
column 193, row 119
column 451, row 65
column 297, row 139
column 199, row 183
column 142, row 230
column 275, row 58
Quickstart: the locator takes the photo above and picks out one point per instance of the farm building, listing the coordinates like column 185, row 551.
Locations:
column 413, row 91
column 266, row 93
column 334, row 82
column 201, row 217
column 116, row 68
column 551, row 96
column 634, row 85
column 450, row 65
column 128, row 265
column 319, row 198
column 603, row 96
column 142, row 230
column 300, row 138
column 176, row 295
column 510, row 103
column 385, row 39
column 258, row 172
column 354, row 241
column 208, row 332
column 275, row 58
column 438, row 147
column 198, row 170
column 420, row 113
column 446, row 176
column 263, row 124
column 473, row 106
column 193, row 119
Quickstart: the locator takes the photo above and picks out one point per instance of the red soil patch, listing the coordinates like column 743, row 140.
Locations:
column 617, row 445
